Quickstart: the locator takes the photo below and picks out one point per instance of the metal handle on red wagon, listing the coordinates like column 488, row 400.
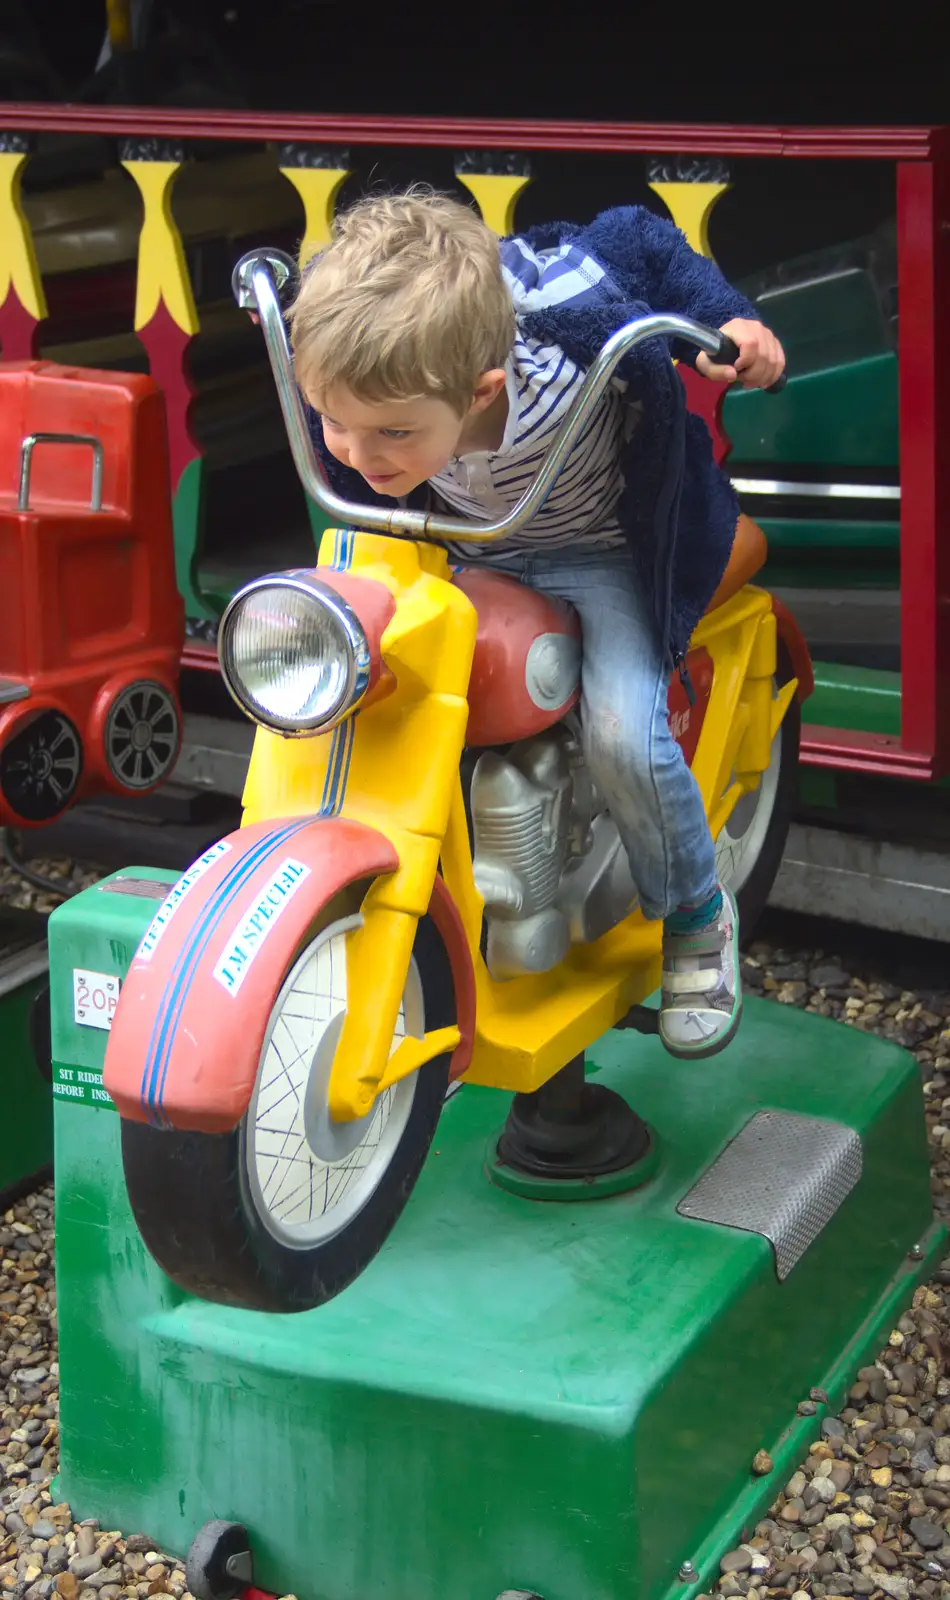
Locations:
column 26, row 464
column 257, row 282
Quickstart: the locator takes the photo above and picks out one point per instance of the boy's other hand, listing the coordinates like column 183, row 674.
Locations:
column 761, row 358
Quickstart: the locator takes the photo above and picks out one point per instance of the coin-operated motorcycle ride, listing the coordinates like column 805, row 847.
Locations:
column 525, row 1389
column 425, row 886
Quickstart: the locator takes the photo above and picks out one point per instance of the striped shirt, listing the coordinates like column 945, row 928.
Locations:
column 542, row 385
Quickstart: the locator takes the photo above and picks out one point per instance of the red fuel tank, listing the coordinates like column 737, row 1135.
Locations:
column 527, row 664
column 526, row 669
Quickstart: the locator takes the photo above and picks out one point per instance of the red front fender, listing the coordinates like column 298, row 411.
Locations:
column 187, row 1033
column 794, row 641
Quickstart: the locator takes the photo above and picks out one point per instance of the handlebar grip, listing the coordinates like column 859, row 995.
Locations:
column 728, row 354
column 283, row 273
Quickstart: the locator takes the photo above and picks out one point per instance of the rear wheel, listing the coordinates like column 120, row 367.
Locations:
column 287, row 1209
column 750, row 847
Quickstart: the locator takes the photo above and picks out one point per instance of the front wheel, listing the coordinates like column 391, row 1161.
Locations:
column 288, row 1208
column 751, row 845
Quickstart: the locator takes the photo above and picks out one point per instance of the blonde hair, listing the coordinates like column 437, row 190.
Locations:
column 407, row 301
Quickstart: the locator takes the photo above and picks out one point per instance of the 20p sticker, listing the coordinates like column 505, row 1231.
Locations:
column 95, row 997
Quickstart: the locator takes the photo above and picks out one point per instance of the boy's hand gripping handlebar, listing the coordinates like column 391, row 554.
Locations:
column 728, row 354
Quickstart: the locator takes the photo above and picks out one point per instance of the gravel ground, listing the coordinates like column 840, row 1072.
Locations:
column 867, row 1514
column 22, row 896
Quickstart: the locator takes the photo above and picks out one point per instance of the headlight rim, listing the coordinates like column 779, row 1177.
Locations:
column 359, row 657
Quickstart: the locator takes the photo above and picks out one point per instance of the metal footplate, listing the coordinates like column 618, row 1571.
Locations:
column 784, row 1177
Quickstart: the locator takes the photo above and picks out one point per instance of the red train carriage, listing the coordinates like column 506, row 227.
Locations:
column 91, row 621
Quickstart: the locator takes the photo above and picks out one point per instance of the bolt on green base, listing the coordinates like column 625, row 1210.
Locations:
column 559, row 1398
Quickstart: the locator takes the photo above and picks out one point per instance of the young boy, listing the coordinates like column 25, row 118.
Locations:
column 439, row 362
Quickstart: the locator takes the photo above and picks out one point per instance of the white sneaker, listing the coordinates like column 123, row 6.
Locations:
column 702, row 994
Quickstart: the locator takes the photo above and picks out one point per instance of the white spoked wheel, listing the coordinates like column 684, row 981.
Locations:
column 750, row 846
column 287, row 1208
column 307, row 1176
column 743, row 837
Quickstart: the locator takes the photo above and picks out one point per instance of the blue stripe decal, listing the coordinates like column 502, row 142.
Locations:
column 182, row 976
column 350, row 741
column 167, row 1018
column 341, row 750
column 183, row 969
column 333, row 771
column 236, row 867
column 201, row 938
column 326, row 781
column 342, row 549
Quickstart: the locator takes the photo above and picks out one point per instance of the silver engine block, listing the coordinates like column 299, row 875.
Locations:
column 548, row 861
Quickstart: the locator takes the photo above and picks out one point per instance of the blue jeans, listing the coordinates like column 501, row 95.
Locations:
column 636, row 763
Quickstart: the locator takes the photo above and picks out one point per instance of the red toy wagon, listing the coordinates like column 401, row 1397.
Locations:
column 91, row 622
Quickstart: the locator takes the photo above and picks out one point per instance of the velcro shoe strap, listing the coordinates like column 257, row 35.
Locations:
column 707, row 942
column 702, row 982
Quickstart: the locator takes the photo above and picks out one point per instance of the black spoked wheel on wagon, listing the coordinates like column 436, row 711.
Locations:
column 287, row 1209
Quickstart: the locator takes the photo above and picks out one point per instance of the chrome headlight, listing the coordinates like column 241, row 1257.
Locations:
column 293, row 653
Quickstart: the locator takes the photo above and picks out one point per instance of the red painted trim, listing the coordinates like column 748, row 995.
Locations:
column 651, row 138
column 878, row 755
column 19, row 331
column 445, row 914
column 167, row 346
column 794, row 641
column 200, row 657
column 923, row 197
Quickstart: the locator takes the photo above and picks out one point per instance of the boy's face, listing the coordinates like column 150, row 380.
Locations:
column 397, row 444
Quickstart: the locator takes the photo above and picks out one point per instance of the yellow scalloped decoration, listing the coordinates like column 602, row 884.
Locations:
column 496, row 195
column 318, row 188
column 18, row 266
column 690, row 206
column 162, row 268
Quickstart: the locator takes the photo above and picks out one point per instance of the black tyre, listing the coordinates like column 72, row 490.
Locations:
column 750, row 847
column 290, row 1207
column 218, row 1565
column 41, row 767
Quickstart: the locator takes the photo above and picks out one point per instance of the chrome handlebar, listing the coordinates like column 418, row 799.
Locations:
column 257, row 281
